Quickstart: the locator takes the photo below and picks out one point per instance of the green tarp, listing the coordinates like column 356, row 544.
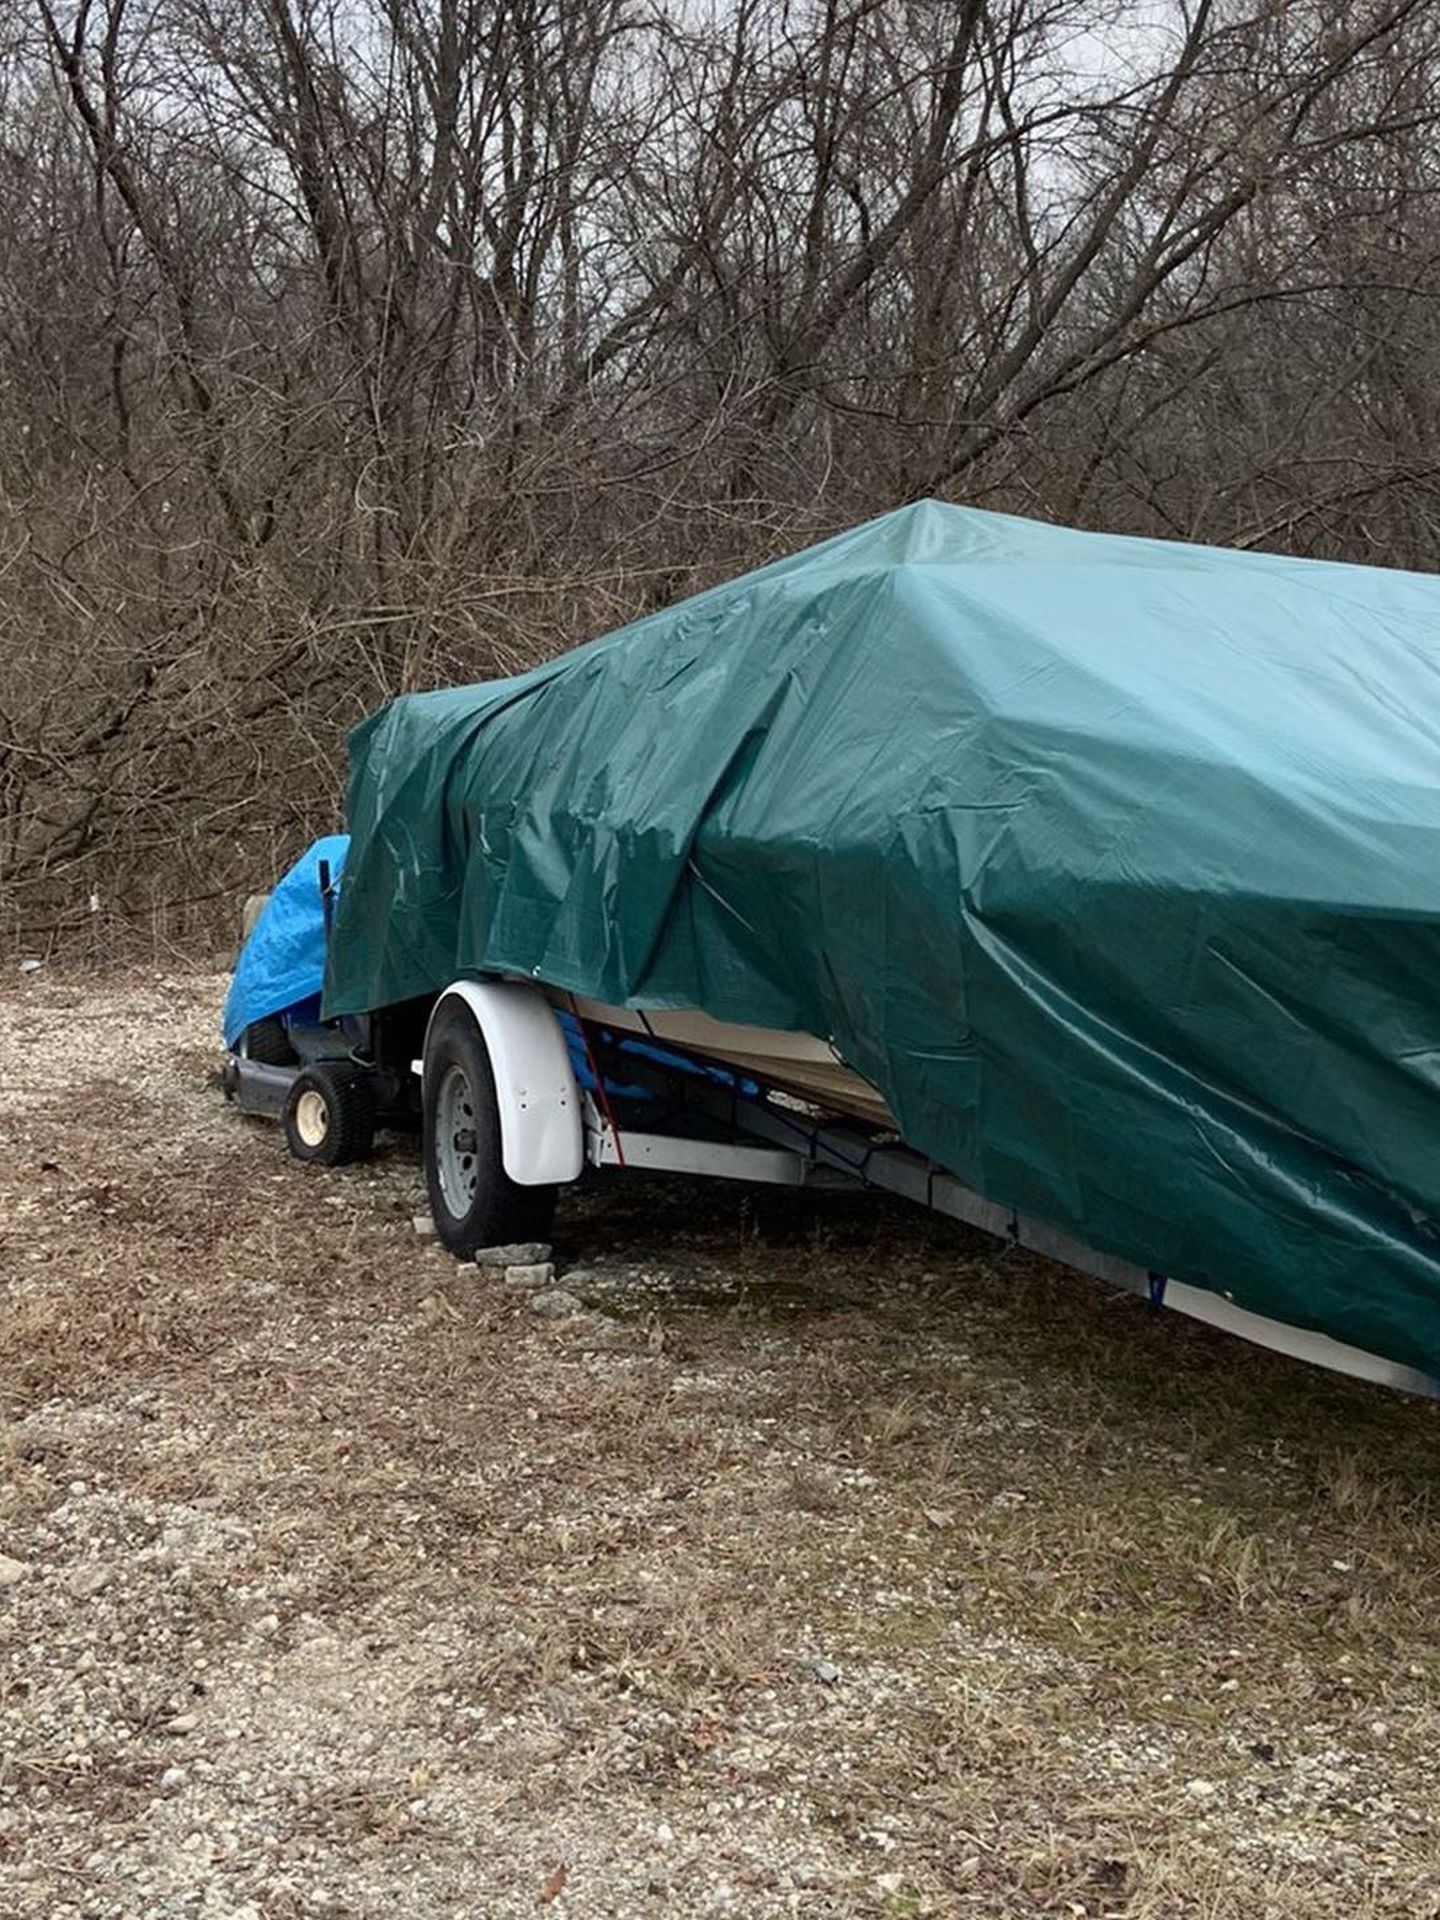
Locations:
column 1114, row 864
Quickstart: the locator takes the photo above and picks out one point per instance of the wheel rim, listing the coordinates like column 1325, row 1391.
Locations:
column 457, row 1162
column 312, row 1118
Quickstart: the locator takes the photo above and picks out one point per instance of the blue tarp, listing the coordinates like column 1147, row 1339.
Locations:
column 283, row 961
column 282, row 964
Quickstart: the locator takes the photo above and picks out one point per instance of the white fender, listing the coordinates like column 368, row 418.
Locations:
column 541, row 1121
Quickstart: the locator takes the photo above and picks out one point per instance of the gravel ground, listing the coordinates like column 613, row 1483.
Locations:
column 830, row 1561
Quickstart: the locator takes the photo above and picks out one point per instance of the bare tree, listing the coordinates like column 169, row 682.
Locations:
column 355, row 345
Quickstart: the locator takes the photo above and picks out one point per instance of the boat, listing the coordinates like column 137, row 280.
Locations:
column 1100, row 870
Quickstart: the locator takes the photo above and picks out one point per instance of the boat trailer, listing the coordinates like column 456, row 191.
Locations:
column 516, row 1098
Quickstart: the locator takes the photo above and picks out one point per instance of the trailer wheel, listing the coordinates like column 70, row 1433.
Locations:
column 330, row 1114
column 267, row 1043
column 473, row 1201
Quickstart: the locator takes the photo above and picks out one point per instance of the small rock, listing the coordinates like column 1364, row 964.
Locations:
column 825, row 1671
column 84, row 1582
column 182, row 1723
column 10, row 1570
column 555, row 1304
column 172, row 1779
column 665, row 1833
column 604, row 1336
column 542, row 1274
column 423, row 1225
column 1202, row 1789
column 520, row 1253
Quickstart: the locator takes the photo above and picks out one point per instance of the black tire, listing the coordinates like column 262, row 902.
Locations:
column 267, row 1043
column 329, row 1114
column 497, row 1210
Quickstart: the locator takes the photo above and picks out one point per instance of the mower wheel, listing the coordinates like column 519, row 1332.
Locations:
column 330, row 1114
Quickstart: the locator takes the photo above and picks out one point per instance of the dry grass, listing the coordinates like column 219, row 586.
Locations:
column 846, row 1565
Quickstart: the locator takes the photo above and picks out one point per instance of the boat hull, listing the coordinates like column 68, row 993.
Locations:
column 796, row 1063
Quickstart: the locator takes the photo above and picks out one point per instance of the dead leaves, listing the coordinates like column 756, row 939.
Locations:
column 554, row 1886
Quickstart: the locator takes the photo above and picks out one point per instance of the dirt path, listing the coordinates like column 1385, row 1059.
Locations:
column 836, row 1563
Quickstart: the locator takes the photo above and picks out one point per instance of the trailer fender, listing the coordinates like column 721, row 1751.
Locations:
column 541, row 1119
